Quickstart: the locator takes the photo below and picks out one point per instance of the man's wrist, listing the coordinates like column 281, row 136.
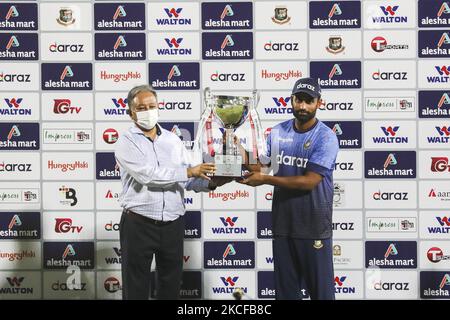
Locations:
column 212, row 185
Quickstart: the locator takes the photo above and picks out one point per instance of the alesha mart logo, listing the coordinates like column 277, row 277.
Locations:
column 69, row 251
column 335, row 11
column 227, row 42
column 229, row 251
column 120, row 42
column 445, row 281
column 445, row 39
column 227, row 12
column 391, row 251
column 174, row 72
column 12, row 43
column 445, row 8
column 335, row 71
column 390, row 160
column 337, row 130
column 15, row 221
column 67, row 72
column 445, row 99
column 14, row 132
column 120, row 12
column 12, row 13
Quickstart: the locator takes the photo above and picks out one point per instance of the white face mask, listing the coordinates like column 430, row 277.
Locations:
column 147, row 119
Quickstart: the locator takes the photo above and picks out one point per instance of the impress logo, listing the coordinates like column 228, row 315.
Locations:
column 224, row 255
column 225, row 15
column 18, row 16
column 127, row 16
column 180, row 76
column 434, row 14
column 335, row 75
column 434, row 104
column 127, row 46
column 329, row 14
column 385, row 255
column 218, row 45
column 19, row 136
column 59, row 76
column 385, row 164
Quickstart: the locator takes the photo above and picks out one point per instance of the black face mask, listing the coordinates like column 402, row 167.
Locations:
column 303, row 116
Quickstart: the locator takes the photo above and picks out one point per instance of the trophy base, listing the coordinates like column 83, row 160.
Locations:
column 228, row 166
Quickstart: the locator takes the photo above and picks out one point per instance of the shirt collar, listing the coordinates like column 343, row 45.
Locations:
column 135, row 129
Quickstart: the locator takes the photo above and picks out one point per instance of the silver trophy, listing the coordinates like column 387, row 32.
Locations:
column 230, row 112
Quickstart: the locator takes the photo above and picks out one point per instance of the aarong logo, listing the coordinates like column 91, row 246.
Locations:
column 439, row 195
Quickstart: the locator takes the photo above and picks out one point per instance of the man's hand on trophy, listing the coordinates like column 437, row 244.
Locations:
column 202, row 170
column 241, row 150
column 254, row 179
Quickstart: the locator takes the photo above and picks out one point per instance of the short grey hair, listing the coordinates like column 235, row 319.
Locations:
column 138, row 89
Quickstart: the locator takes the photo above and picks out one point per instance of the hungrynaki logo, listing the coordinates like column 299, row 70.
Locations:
column 340, row 285
column 23, row 225
column 434, row 285
column 224, row 255
column 59, row 76
column 125, row 46
column 127, row 16
column 348, row 133
column 387, row 255
column 387, row 164
column 334, row 15
column 434, row 104
column 229, row 196
column 219, row 45
column 106, row 166
column 19, row 46
column 434, row 44
column 180, row 76
column 19, row 136
column 434, row 14
column 334, row 75
column 60, row 255
column 280, row 105
column 18, row 16
column 227, row 15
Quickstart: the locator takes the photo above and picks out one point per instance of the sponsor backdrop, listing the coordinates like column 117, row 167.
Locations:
column 66, row 67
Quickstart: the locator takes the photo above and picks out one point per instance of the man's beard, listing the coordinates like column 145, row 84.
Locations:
column 304, row 116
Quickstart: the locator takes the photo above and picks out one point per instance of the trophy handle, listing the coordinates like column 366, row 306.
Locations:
column 256, row 98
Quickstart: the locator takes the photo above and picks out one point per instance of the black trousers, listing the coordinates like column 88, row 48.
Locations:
column 140, row 239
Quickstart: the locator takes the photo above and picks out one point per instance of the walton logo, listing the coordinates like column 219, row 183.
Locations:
column 445, row 281
column 69, row 251
column 340, row 280
column 390, row 160
column 229, row 251
column 228, row 221
column 120, row 42
column 173, row 42
column 15, row 103
column 335, row 11
column 14, row 132
column 13, row 42
column 281, row 106
column 390, row 16
column 229, row 281
column 12, row 13
column 443, row 70
column 120, row 103
column 389, row 10
column 443, row 131
column 15, row 221
column 173, row 13
column 443, row 77
column 391, row 251
column 227, row 42
column 120, row 12
column 443, row 221
column 444, row 227
column 390, row 130
column 335, row 71
column 281, row 101
column 227, row 12
column 15, row 282
column 67, row 72
column 174, row 72
column 445, row 8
